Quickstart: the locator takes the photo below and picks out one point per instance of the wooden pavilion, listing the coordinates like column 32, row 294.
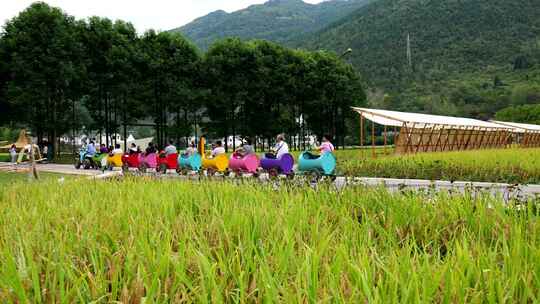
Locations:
column 415, row 132
column 525, row 135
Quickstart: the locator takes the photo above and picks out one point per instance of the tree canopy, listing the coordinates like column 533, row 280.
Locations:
column 58, row 74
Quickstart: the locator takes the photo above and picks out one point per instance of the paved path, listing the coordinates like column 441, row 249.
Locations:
column 52, row 168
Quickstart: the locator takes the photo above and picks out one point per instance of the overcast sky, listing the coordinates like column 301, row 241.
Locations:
column 144, row 14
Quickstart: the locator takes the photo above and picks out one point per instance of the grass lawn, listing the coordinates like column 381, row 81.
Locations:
column 150, row 241
column 7, row 178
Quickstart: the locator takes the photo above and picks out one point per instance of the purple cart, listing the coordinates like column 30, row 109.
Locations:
column 283, row 165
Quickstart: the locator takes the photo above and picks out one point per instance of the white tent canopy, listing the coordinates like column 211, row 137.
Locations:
column 417, row 120
column 519, row 127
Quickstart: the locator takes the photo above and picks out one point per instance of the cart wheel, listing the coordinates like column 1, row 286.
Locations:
column 290, row 176
column 315, row 176
column 210, row 172
column 273, row 173
column 163, row 168
column 143, row 168
column 78, row 165
column 125, row 168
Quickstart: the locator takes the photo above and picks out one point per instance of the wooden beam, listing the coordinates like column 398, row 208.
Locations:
column 438, row 143
column 409, row 135
column 466, row 143
column 361, row 130
column 446, row 140
column 421, row 138
column 372, row 139
column 428, row 145
column 385, row 138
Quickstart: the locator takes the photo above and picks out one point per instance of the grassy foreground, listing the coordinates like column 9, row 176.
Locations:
column 167, row 241
column 503, row 165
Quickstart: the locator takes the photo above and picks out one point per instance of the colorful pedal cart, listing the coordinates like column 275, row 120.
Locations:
column 282, row 165
column 148, row 161
column 219, row 163
column 114, row 161
column 324, row 164
column 166, row 162
column 131, row 160
column 191, row 162
column 244, row 163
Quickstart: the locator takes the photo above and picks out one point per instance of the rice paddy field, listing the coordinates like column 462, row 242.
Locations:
column 164, row 241
column 514, row 166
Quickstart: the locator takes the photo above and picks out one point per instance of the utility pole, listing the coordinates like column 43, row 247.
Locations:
column 409, row 54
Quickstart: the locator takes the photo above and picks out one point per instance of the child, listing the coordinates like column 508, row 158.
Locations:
column 192, row 149
column 170, row 149
column 326, row 146
column 13, row 153
column 103, row 149
column 117, row 150
column 133, row 149
column 218, row 150
column 246, row 149
column 151, row 149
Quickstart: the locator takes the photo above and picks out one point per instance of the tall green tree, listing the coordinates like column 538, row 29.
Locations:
column 169, row 63
column 230, row 69
column 43, row 53
column 112, row 74
column 335, row 87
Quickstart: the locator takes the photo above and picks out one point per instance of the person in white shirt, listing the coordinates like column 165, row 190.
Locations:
column 281, row 147
column 218, row 150
column 170, row 149
column 192, row 149
column 117, row 150
column 13, row 153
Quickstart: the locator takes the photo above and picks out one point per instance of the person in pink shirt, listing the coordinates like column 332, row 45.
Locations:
column 326, row 146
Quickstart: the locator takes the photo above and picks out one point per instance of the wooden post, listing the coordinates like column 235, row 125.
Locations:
column 34, row 172
column 385, row 139
column 394, row 137
column 373, row 139
column 361, row 130
column 409, row 136
column 438, row 143
column 421, row 140
column 446, row 140
column 471, row 133
column 427, row 147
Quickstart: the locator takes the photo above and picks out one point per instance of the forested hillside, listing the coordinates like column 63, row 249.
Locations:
column 467, row 57
column 281, row 21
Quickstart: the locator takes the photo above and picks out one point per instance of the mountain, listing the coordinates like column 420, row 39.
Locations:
column 280, row 21
column 449, row 36
column 467, row 57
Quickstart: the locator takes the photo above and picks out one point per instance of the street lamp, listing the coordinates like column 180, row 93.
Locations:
column 347, row 52
column 340, row 113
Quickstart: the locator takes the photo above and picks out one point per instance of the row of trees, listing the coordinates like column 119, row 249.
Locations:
column 58, row 74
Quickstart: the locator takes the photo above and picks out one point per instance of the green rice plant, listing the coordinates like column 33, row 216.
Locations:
column 165, row 241
column 505, row 165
